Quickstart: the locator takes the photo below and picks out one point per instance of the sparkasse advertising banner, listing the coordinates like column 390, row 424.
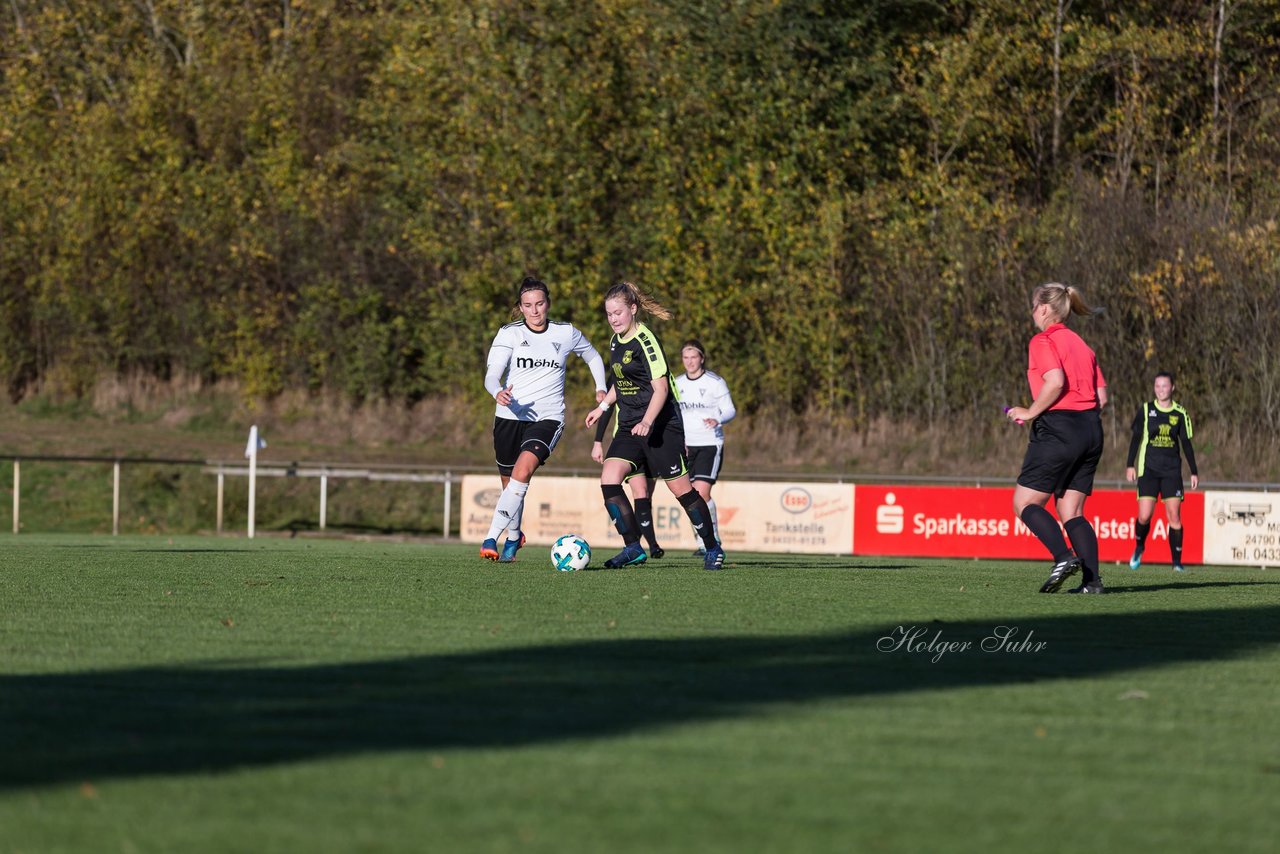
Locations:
column 936, row 521
column 827, row 518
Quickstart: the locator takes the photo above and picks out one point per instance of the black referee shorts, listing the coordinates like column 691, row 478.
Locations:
column 1063, row 452
column 511, row 437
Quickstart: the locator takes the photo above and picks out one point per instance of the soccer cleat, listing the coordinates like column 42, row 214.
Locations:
column 657, row 552
column 1062, row 570
column 489, row 549
column 1094, row 586
column 1136, row 560
column 509, row 549
column 699, row 552
column 713, row 558
column 1177, row 567
column 632, row 555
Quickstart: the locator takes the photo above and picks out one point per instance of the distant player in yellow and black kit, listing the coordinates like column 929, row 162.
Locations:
column 1161, row 427
column 649, row 433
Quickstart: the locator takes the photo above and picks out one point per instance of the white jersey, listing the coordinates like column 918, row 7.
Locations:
column 705, row 397
column 534, row 366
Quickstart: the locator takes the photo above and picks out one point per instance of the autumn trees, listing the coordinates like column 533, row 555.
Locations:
column 847, row 202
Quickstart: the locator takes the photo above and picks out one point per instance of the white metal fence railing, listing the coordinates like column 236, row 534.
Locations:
column 323, row 472
column 450, row 476
column 447, row 477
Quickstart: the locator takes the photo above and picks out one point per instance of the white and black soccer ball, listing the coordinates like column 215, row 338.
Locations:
column 570, row 553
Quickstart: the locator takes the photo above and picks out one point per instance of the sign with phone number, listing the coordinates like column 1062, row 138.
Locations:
column 1242, row 528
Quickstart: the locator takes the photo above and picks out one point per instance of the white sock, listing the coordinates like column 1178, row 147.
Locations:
column 509, row 509
column 715, row 523
column 513, row 530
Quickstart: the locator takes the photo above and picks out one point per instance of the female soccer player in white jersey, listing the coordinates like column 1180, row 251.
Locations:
column 532, row 353
column 649, row 432
column 705, row 407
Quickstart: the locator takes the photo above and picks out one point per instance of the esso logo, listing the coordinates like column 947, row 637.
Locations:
column 488, row 498
column 796, row 500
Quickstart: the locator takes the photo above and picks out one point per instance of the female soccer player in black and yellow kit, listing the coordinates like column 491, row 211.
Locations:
column 641, row 483
column 1155, row 464
column 649, row 430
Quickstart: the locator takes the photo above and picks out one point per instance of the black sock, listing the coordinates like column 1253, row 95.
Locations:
column 1175, row 545
column 1045, row 527
column 644, row 518
column 1141, row 529
column 615, row 501
column 700, row 517
column 1084, row 541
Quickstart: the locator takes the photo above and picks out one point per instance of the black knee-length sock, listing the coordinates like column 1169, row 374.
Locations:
column 1175, row 545
column 1140, row 530
column 1045, row 527
column 700, row 517
column 1084, row 541
column 624, row 519
column 644, row 518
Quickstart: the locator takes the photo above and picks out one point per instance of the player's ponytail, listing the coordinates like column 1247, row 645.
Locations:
column 1062, row 300
column 1078, row 303
column 632, row 295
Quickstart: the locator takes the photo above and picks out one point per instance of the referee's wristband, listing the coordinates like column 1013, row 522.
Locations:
column 603, row 407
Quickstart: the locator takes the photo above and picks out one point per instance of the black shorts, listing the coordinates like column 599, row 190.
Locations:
column 1063, row 452
column 510, row 438
column 704, row 462
column 658, row 455
column 1154, row 484
column 642, row 471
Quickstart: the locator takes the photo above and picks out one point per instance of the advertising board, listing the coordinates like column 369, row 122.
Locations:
column 1242, row 528
column 756, row 516
column 937, row 521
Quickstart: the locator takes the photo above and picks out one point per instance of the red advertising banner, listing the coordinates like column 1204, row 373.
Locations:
column 938, row 521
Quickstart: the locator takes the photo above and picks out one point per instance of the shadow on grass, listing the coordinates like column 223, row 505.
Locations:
column 1181, row 585
column 127, row 723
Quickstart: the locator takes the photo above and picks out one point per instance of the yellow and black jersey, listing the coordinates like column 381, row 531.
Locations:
column 634, row 363
column 1158, row 433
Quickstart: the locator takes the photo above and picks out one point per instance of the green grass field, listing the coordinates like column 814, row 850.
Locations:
column 316, row 695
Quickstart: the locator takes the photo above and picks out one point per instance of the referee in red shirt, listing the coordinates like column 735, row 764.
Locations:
column 1068, row 390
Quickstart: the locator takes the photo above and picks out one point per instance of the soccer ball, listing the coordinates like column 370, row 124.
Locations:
column 570, row 552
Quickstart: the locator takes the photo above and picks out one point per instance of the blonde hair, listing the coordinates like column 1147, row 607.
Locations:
column 1062, row 300
column 632, row 295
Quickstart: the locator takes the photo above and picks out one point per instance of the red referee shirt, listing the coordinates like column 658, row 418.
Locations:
column 1059, row 347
